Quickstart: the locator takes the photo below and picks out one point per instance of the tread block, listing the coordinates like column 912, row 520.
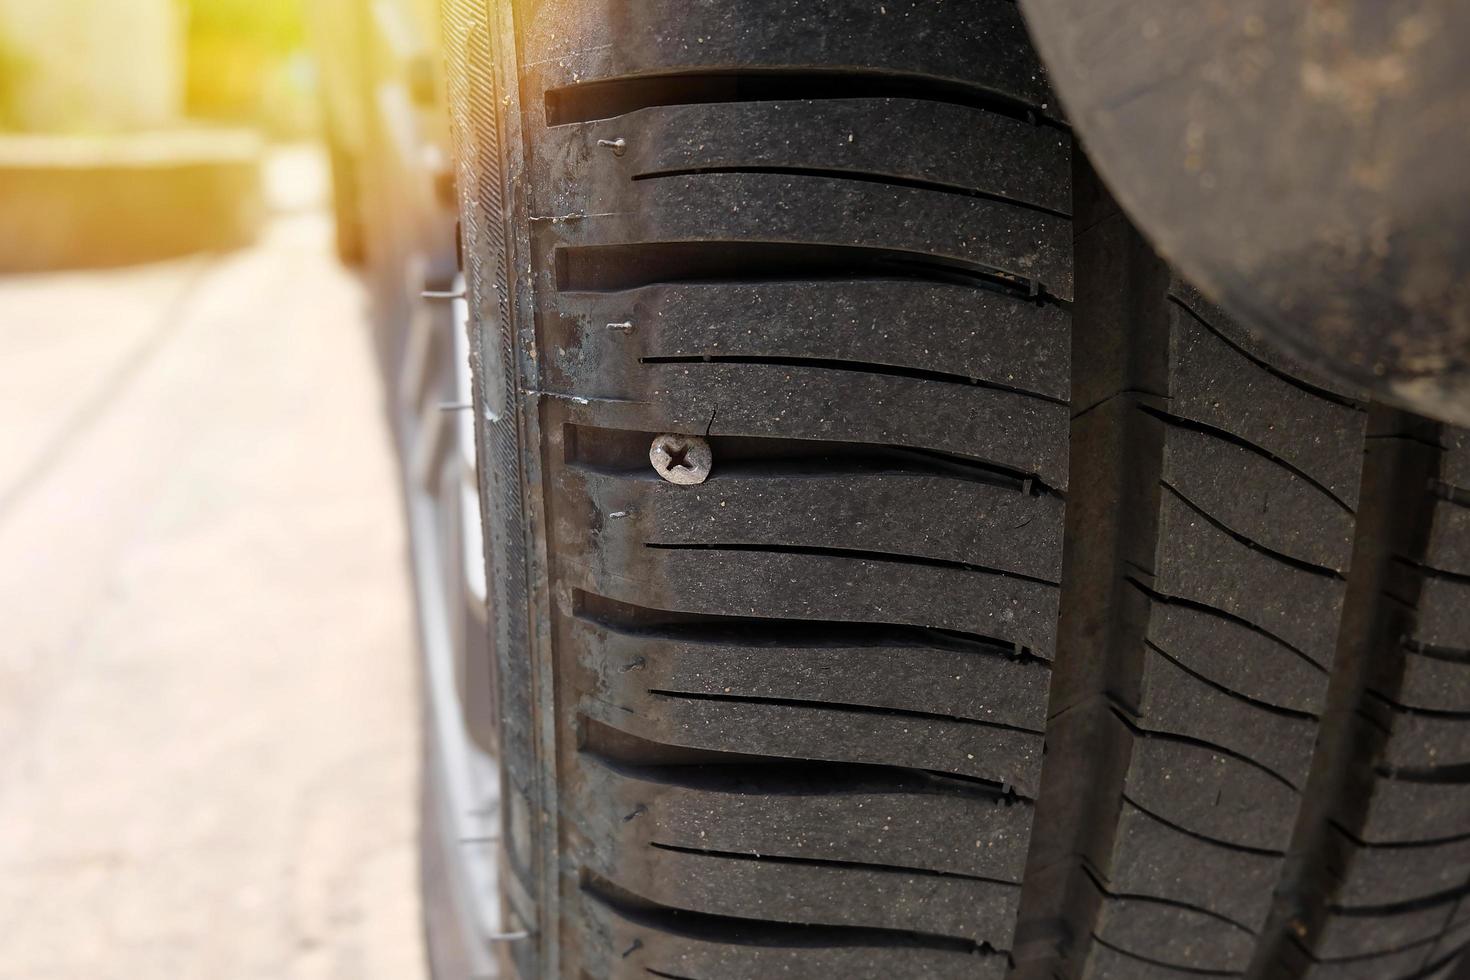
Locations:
column 1238, row 658
column 1259, row 498
column 1362, row 933
column 1444, row 613
column 794, row 209
column 1400, row 964
column 1389, row 875
column 959, row 330
column 1211, row 794
column 1218, row 386
column 962, row 684
column 1174, row 934
column 1454, row 462
column 740, row 950
column 1174, row 702
column 961, row 521
column 1446, row 960
column 801, row 731
column 751, row 887
column 1434, row 683
column 1200, row 562
column 1156, row 860
column 1402, row 812
column 771, row 585
column 1424, row 741
column 1258, row 348
column 901, row 140
column 802, row 815
column 981, row 48
column 1449, row 538
column 1000, row 428
column 1105, row 963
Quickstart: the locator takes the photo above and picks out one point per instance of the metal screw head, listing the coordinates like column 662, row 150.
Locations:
column 685, row 460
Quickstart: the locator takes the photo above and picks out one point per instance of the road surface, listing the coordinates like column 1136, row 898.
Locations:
column 208, row 692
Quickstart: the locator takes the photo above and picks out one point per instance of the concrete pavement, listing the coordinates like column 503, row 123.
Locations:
column 208, row 690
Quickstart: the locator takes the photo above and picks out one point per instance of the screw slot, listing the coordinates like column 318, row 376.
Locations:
column 685, row 460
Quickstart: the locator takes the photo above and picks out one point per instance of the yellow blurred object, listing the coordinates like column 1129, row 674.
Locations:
column 224, row 77
column 90, row 65
column 103, row 158
column 246, row 61
column 68, row 201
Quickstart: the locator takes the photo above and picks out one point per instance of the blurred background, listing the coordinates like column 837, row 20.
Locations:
column 219, row 387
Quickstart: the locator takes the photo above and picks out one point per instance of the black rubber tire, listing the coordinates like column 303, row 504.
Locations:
column 1023, row 628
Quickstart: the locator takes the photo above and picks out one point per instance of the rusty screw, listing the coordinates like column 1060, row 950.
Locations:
column 684, row 460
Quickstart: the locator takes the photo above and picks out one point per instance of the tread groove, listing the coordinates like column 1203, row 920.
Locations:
column 633, row 620
column 1393, row 908
column 776, row 456
column 858, row 175
column 846, row 708
column 1112, row 518
column 856, row 367
column 1451, row 494
column 1411, row 712
column 831, row 863
column 783, row 777
column 1456, row 774
column 1393, row 522
column 854, row 554
column 1429, row 571
column 635, row 755
column 636, row 265
column 1453, row 655
column 1359, row 842
column 609, row 97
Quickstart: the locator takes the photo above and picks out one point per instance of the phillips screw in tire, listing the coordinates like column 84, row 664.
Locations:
column 685, row 460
